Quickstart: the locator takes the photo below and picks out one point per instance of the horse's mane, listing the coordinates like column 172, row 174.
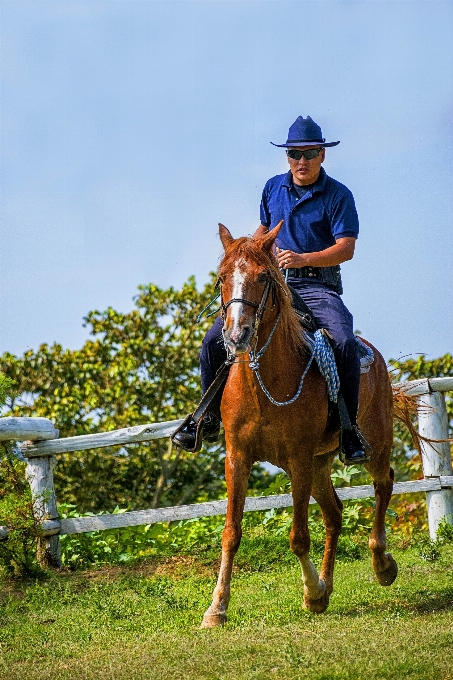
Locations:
column 249, row 249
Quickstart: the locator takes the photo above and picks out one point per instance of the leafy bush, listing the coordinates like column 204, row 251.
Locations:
column 427, row 549
column 265, row 540
column 18, row 550
column 445, row 532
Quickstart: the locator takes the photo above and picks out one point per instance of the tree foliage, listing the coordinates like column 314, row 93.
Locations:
column 139, row 367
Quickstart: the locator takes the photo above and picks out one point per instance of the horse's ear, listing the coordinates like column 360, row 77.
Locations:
column 267, row 241
column 225, row 236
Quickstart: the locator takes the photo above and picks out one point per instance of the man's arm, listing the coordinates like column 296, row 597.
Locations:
column 342, row 251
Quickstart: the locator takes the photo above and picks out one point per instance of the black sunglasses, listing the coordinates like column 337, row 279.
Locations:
column 309, row 154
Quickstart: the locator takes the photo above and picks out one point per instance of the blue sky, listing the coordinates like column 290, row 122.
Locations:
column 130, row 129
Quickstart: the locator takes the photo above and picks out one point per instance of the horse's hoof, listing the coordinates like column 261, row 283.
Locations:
column 386, row 577
column 213, row 620
column 318, row 605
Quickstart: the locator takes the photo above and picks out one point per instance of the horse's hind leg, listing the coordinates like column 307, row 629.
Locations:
column 384, row 565
column 331, row 507
column 376, row 423
column 316, row 597
column 237, row 473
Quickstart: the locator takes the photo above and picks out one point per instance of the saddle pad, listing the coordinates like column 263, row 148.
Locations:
column 365, row 353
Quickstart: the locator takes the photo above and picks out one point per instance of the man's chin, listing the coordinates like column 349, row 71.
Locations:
column 305, row 179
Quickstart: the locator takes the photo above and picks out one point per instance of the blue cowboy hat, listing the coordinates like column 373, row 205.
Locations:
column 305, row 132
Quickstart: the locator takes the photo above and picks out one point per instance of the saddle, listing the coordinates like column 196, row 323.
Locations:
column 303, row 312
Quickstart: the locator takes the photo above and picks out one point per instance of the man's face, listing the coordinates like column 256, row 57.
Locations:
column 303, row 171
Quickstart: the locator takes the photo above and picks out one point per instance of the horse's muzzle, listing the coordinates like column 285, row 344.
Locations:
column 238, row 340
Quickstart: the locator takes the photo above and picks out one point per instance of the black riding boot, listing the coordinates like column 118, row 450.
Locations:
column 186, row 437
column 212, row 356
column 354, row 448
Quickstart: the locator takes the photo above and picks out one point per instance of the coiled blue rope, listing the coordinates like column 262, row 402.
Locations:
column 325, row 359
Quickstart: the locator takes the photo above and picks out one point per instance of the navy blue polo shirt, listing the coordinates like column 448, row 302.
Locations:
column 312, row 223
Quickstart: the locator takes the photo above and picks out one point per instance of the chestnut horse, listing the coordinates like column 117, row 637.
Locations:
column 301, row 437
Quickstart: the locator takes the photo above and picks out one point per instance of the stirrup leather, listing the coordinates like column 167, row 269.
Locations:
column 206, row 399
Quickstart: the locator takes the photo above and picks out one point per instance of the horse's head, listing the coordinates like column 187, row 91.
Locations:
column 247, row 273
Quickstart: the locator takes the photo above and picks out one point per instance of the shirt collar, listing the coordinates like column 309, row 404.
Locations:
column 319, row 185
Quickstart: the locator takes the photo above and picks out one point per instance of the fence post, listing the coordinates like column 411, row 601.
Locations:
column 39, row 473
column 433, row 423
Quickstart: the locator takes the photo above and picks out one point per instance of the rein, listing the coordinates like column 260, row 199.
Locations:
column 254, row 365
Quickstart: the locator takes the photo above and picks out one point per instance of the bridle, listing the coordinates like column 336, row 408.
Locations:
column 259, row 306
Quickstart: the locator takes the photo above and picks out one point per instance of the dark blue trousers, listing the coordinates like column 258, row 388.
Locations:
column 330, row 313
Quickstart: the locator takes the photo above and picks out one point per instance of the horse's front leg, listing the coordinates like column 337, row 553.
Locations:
column 237, row 472
column 316, row 597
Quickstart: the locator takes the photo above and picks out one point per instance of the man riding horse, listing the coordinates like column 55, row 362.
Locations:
column 319, row 231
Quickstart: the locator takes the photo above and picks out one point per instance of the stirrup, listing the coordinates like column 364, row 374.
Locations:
column 198, row 434
column 362, row 440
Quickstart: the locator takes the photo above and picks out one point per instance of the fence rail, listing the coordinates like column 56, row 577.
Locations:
column 79, row 525
column 128, row 435
column 40, row 454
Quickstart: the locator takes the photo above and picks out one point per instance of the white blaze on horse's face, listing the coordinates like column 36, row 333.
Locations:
column 237, row 328
column 238, row 293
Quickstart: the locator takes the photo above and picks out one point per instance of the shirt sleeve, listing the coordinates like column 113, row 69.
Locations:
column 345, row 221
column 265, row 216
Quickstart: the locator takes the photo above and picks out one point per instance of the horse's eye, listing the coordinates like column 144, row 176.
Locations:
column 262, row 278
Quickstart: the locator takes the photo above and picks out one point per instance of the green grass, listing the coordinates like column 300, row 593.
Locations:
column 142, row 622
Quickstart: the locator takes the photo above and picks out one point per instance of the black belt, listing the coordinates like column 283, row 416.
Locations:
column 303, row 273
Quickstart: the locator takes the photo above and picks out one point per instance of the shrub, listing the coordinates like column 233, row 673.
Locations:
column 18, row 550
column 444, row 532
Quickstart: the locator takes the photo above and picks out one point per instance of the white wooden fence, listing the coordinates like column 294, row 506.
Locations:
column 41, row 445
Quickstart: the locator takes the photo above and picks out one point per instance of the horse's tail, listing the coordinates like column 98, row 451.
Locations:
column 405, row 408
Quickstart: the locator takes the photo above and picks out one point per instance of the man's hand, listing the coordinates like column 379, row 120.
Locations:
column 342, row 251
column 287, row 259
